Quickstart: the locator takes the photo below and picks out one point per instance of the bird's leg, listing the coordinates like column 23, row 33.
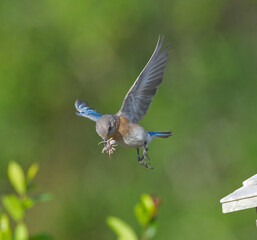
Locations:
column 145, row 157
column 138, row 156
column 145, row 154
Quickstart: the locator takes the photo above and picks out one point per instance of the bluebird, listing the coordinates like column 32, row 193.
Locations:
column 122, row 128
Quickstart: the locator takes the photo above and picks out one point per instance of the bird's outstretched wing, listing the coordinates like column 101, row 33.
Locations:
column 85, row 111
column 139, row 97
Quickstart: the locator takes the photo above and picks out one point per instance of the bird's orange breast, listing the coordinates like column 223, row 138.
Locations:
column 123, row 130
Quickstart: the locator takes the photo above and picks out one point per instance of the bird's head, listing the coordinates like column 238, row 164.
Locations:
column 107, row 125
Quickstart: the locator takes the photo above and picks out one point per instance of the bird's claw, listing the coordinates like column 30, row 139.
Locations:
column 145, row 160
column 145, row 164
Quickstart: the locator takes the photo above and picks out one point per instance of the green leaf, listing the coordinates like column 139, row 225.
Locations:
column 43, row 197
column 28, row 203
column 42, row 236
column 142, row 218
column 13, row 206
column 16, row 176
column 122, row 229
column 148, row 203
column 21, row 232
column 150, row 230
column 32, row 172
column 144, row 210
column 5, row 229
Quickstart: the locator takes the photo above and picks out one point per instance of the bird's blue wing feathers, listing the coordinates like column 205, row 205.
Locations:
column 85, row 111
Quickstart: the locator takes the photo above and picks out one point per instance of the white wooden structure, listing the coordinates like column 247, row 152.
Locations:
column 243, row 198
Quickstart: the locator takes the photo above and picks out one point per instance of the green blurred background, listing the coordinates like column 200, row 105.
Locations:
column 52, row 52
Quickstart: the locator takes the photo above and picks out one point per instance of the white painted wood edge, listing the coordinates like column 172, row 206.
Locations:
column 239, row 205
column 243, row 198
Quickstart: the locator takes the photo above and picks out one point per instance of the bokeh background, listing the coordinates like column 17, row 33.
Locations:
column 52, row 52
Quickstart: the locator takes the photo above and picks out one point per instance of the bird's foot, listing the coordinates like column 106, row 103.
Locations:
column 109, row 146
column 144, row 160
column 145, row 164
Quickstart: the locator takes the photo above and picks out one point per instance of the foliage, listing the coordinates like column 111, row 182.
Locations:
column 122, row 229
column 145, row 211
column 16, row 205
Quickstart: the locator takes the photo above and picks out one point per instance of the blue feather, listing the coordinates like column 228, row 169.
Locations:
column 85, row 111
column 162, row 134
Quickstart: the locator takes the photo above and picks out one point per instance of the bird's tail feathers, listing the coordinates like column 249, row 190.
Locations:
column 161, row 134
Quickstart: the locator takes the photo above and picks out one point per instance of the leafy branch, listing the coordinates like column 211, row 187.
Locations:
column 146, row 212
column 14, row 206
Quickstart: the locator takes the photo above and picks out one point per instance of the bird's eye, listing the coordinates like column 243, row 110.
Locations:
column 109, row 129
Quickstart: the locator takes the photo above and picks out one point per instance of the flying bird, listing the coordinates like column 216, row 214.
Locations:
column 122, row 128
